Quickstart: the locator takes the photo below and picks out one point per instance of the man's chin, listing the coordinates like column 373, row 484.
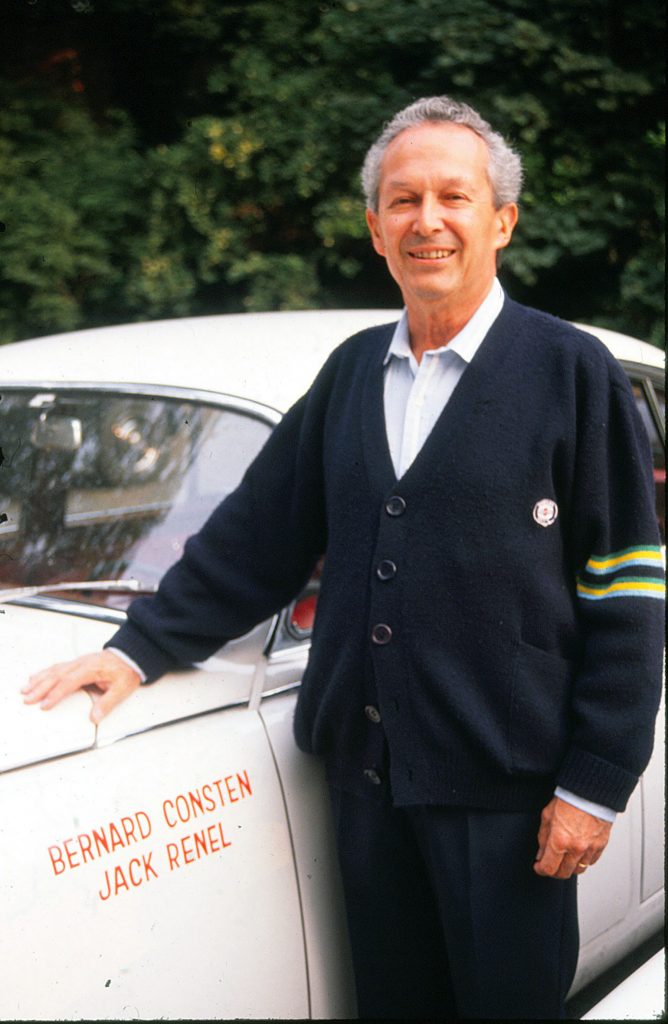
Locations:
column 434, row 290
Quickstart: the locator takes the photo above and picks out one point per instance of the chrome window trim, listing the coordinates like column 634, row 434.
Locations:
column 266, row 413
column 79, row 608
column 646, row 377
column 285, row 688
column 78, row 518
column 282, row 644
column 288, row 653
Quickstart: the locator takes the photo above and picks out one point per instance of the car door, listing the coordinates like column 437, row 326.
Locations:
column 151, row 875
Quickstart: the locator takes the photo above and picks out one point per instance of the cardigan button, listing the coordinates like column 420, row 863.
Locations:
column 372, row 776
column 372, row 713
column 381, row 634
column 386, row 570
column 395, row 506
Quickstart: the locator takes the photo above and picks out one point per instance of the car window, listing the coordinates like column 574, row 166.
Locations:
column 660, row 392
column 658, row 448
column 99, row 485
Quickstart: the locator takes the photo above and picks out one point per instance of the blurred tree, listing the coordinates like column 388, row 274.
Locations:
column 239, row 188
column 68, row 201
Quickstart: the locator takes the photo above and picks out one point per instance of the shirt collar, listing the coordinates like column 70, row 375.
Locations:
column 466, row 342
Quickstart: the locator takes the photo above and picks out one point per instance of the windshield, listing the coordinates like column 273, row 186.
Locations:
column 99, row 485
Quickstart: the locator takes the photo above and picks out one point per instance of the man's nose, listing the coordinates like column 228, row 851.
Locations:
column 428, row 217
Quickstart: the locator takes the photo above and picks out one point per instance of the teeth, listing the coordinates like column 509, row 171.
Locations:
column 433, row 254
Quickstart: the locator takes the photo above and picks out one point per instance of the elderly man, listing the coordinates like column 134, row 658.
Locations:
column 486, row 660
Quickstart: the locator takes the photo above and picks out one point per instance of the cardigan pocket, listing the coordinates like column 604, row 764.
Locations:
column 539, row 710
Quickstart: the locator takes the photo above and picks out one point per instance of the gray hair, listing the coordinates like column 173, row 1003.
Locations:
column 504, row 169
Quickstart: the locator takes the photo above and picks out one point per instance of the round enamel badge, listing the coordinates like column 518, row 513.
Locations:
column 545, row 512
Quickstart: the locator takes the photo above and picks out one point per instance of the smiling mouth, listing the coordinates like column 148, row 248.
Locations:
column 432, row 254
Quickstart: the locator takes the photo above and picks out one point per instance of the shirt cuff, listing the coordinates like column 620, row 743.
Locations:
column 128, row 661
column 598, row 810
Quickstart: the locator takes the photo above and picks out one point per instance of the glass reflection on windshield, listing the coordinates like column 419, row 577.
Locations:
column 98, row 485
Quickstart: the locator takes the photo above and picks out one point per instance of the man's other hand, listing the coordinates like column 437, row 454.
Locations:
column 569, row 840
column 108, row 678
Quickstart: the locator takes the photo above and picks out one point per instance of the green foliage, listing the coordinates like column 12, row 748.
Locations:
column 245, row 195
column 68, row 200
column 276, row 281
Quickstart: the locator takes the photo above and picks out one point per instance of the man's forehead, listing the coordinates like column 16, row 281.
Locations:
column 444, row 181
column 451, row 153
column 437, row 141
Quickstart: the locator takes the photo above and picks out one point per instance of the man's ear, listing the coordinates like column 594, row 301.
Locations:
column 506, row 220
column 373, row 224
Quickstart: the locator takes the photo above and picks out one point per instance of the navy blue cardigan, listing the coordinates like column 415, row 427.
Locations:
column 505, row 654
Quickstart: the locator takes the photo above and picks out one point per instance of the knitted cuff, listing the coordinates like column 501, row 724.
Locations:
column 595, row 779
column 152, row 660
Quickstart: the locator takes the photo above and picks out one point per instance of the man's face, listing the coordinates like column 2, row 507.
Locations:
column 436, row 225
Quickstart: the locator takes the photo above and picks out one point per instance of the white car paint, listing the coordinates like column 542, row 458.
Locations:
column 642, row 996
column 268, row 357
column 252, row 929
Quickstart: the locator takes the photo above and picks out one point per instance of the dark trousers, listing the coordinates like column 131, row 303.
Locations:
column 446, row 915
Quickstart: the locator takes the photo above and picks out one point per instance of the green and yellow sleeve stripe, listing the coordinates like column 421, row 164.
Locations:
column 602, row 565
column 618, row 584
column 625, row 586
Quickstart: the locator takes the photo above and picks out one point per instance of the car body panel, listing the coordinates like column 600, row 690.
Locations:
column 653, row 795
column 269, row 357
column 225, row 682
column 623, row 346
column 188, row 936
column 29, row 735
column 330, row 966
column 641, row 996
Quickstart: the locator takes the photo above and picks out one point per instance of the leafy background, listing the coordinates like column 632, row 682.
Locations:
column 181, row 157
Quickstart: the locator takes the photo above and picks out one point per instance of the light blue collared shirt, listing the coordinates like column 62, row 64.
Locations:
column 415, row 395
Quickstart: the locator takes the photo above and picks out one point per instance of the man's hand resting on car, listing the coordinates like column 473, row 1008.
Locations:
column 108, row 679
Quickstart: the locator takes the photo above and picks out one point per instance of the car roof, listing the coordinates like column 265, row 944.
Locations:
column 270, row 358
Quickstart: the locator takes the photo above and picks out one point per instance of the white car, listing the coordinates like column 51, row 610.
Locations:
column 177, row 860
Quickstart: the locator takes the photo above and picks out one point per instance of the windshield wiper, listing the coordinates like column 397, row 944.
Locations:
column 118, row 586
